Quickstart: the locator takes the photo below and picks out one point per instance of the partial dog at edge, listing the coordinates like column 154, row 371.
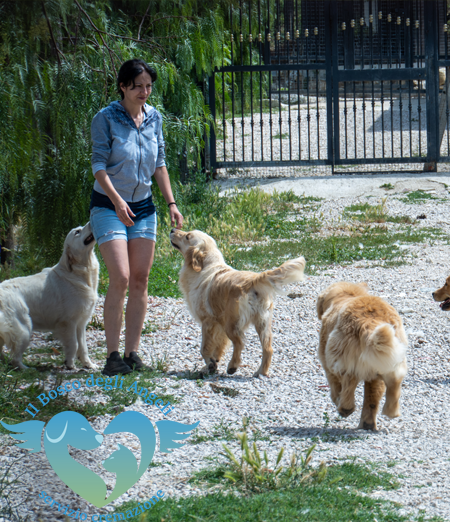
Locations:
column 59, row 299
column 443, row 296
column 362, row 339
column 226, row 301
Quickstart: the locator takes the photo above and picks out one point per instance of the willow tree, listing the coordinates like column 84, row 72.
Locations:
column 58, row 64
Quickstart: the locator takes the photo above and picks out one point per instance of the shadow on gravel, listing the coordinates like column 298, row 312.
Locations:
column 196, row 375
column 323, row 434
column 435, row 380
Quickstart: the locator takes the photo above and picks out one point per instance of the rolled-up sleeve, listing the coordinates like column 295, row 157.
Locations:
column 101, row 142
column 161, row 159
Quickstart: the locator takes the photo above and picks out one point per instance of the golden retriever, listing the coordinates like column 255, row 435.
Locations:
column 226, row 301
column 59, row 299
column 443, row 295
column 362, row 339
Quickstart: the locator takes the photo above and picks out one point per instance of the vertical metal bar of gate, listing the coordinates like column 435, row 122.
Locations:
column 329, row 77
column 432, row 72
column 333, row 68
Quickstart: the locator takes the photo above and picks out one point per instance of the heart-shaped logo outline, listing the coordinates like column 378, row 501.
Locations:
column 73, row 429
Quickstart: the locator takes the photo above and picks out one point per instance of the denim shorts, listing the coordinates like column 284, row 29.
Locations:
column 106, row 226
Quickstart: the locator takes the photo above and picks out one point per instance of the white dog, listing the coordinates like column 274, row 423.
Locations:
column 59, row 299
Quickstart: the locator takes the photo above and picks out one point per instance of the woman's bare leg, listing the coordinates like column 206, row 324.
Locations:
column 115, row 255
column 140, row 256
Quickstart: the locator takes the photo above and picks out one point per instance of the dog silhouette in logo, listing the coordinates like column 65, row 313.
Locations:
column 124, row 464
column 73, row 429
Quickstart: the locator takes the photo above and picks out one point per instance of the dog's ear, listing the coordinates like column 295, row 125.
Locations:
column 194, row 257
column 364, row 285
column 68, row 259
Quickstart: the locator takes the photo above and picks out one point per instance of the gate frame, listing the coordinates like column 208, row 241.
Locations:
column 334, row 75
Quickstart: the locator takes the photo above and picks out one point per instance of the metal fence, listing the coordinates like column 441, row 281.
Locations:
column 337, row 83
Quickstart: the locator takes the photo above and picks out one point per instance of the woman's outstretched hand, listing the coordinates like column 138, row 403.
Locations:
column 175, row 216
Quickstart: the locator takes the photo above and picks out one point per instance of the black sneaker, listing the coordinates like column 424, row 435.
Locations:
column 115, row 365
column 135, row 362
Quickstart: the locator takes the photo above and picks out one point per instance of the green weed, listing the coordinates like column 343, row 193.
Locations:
column 374, row 213
column 224, row 390
column 149, row 327
column 417, row 196
column 10, row 482
column 160, row 364
column 96, row 323
column 221, row 431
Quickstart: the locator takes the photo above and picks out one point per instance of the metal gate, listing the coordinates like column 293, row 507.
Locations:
column 319, row 82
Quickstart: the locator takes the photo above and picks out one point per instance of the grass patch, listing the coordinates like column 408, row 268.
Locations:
column 372, row 244
column 387, row 186
column 339, row 502
column 418, row 197
column 221, row 431
column 17, row 389
column 270, row 491
column 374, row 214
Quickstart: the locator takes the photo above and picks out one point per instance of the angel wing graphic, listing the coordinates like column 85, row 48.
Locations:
column 73, row 429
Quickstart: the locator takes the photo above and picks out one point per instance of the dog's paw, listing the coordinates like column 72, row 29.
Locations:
column 212, row 366
column 90, row 364
column 344, row 412
column 364, row 425
column 70, row 365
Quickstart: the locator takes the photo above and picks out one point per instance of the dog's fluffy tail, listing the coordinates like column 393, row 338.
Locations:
column 384, row 351
column 288, row 272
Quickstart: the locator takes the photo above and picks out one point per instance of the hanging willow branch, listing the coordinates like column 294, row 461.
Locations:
column 154, row 45
column 58, row 51
column 143, row 18
column 100, row 34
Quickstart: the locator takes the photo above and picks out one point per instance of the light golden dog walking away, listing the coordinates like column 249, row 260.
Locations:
column 362, row 339
column 226, row 301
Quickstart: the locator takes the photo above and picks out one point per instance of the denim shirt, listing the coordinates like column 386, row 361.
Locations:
column 128, row 154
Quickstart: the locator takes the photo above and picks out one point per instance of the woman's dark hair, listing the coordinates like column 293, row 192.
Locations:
column 129, row 70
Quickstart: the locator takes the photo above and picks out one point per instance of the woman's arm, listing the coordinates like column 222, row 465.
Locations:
column 101, row 150
column 122, row 209
column 162, row 178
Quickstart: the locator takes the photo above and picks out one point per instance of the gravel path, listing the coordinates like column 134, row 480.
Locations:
column 288, row 408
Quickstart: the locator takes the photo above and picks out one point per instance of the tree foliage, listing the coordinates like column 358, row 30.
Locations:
column 58, row 65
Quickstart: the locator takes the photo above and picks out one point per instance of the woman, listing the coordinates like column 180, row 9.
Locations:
column 127, row 150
